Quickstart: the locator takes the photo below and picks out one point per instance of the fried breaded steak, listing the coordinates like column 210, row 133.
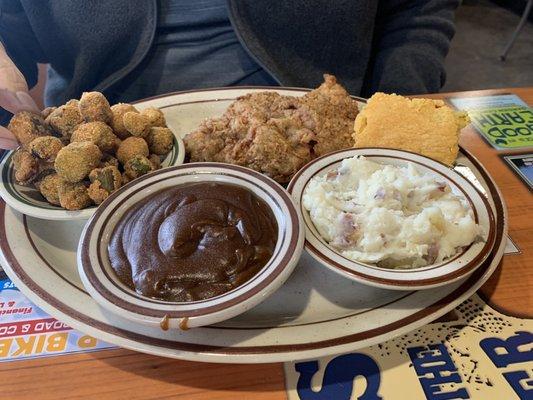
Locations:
column 276, row 134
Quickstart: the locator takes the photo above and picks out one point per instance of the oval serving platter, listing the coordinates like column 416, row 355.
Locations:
column 315, row 313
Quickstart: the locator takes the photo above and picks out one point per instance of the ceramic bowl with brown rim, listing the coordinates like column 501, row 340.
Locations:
column 105, row 286
column 27, row 200
column 449, row 270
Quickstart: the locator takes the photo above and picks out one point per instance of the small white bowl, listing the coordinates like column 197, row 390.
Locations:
column 27, row 200
column 427, row 277
column 103, row 285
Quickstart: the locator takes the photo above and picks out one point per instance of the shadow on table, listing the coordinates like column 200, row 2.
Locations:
column 488, row 289
column 514, row 308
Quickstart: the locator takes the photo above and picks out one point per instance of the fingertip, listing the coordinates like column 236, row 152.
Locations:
column 27, row 102
column 8, row 144
column 8, row 141
column 15, row 102
column 9, row 101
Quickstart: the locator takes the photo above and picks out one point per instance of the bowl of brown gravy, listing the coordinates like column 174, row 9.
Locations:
column 190, row 245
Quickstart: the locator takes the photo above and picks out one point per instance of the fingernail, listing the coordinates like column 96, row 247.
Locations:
column 6, row 134
column 27, row 102
column 7, row 144
column 7, row 139
column 9, row 101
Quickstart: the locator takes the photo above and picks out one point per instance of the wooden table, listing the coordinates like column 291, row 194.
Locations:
column 123, row 374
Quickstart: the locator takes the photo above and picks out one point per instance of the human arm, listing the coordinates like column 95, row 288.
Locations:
column 411, row 40
column 14, row 96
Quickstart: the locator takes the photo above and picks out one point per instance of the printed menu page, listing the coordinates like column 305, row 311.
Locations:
column 474, row 352
column 26, row 331
column 505, row 121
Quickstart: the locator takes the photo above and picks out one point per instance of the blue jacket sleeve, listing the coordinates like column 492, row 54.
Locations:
column 411, row 40
column 20, row 43
column 19, row 40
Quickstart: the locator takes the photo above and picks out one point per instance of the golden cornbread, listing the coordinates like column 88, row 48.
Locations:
column 423, row 126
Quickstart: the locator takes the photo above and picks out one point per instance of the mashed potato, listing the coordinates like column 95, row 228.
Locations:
column 395, row 217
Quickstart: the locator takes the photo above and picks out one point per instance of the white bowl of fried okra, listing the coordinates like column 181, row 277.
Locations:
column 72, row 157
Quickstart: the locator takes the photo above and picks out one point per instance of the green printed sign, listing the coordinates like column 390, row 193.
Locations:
column 505, row 121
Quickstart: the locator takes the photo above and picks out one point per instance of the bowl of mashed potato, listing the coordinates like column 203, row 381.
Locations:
column 392, row 218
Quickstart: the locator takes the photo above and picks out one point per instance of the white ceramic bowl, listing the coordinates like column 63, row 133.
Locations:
column 27, row 200
column 103, row 285
column 430, row 276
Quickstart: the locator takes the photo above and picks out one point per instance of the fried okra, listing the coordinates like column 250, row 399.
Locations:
column 65, row 147
column 117, row 122
column 47, row 111
column 155, row 160
column 45, row 168
column 125, row 179
column 45, row 148
column 131, row 147
column 108, row 161
column 26, row 166
column 94, row 106
column 104, row 181
column 160, row 141
column 27, row 126
column 73, row 196
column 98, row 133
column 74, row 162
column 64, row 120
column 136, row 124
column 49, row 188
column 73, row 102
column 138, row 166
column 155, row 117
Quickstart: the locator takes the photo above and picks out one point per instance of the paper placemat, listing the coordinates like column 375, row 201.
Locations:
column 27, row 332
column 505, row 121
column 474, row 353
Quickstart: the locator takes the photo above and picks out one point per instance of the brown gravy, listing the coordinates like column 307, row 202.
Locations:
column 193, row 241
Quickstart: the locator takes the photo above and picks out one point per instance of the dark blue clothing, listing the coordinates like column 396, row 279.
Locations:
column 194, row 46
column 110, row 45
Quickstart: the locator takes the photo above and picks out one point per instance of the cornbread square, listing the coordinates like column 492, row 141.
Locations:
column 423, row 126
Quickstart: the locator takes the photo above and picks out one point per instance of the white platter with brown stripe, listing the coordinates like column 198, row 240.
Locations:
column 316, row 312
column 450, row 270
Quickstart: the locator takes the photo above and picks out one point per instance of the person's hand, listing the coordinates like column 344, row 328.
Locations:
column 14, row 96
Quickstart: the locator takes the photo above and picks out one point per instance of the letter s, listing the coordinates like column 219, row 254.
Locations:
column 339, row 378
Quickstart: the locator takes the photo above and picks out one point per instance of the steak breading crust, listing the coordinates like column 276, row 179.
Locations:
column 276, row 134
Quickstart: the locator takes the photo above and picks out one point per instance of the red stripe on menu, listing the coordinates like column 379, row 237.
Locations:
column 45, row 325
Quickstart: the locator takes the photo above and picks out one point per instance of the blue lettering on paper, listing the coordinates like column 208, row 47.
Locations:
column 506, row 352
column 434, row 367
column 521, row 382
column 339, row 375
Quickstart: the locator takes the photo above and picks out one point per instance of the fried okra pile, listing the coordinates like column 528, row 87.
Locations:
column 77, row 154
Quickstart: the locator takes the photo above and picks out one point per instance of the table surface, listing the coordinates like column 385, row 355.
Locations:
column 120, row 373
